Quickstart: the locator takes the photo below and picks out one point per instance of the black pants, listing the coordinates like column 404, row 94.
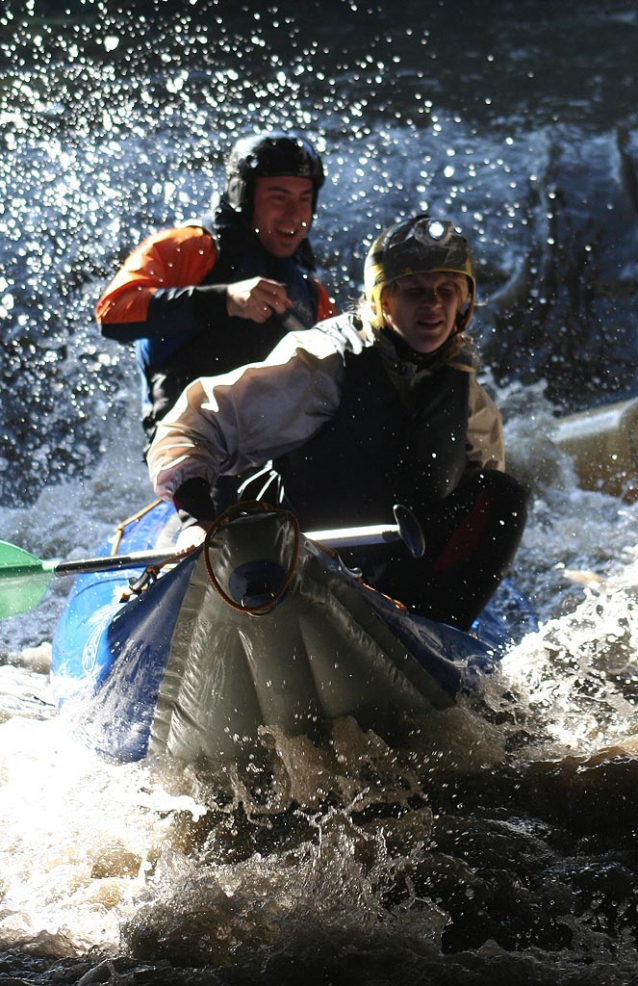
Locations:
column 471, row 538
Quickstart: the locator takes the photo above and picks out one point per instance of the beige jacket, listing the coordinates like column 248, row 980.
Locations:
column 232, row 422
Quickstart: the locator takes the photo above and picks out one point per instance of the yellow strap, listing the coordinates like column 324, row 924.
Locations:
column 119, row 530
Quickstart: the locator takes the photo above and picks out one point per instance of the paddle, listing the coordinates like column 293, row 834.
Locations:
column 406, row 529
column 24, row 578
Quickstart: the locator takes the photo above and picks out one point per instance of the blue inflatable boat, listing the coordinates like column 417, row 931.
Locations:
column 262, row 626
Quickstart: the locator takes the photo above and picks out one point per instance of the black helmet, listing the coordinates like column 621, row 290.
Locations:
column 265, row 156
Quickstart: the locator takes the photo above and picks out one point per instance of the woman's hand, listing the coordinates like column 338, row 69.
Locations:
column 192, row 537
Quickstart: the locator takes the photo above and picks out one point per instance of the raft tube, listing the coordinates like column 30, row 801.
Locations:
column 603, row 444
column 262, row 627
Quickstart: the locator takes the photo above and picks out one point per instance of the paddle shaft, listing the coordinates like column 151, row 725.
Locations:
column 136, row 559
column 356, row 537
column 21, row 564
column 24, row 578
column 340, row 538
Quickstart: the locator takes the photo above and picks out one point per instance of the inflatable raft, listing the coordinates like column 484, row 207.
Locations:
column 262, row 626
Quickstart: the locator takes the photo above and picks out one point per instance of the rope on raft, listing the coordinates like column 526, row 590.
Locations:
column 246, row 509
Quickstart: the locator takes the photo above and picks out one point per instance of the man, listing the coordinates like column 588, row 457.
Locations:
column 365, row 411
column 218, row 293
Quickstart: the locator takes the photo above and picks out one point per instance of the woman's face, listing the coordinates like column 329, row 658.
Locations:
column 422, row 308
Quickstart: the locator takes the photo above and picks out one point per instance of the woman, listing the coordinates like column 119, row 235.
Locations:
column 364, row 411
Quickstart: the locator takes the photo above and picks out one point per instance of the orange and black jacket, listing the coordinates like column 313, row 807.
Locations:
column 169, row 299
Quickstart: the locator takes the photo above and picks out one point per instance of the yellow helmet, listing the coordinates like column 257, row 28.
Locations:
column 417, row 245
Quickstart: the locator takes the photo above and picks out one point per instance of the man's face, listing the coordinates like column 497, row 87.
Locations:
column 422, row 309
column 282, row 213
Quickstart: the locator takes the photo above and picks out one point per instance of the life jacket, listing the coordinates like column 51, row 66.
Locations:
column 376, row 451
column 241, row 256
column 231, row 341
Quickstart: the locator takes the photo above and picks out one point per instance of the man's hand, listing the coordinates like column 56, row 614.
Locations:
column 257, row 299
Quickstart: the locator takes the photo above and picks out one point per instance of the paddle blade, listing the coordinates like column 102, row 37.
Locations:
column 24, row 580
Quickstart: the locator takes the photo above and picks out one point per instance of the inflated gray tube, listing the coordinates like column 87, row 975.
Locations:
column 320, row 652
column 603, row 444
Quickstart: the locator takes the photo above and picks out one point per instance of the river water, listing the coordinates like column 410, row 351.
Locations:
column 500, row 844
